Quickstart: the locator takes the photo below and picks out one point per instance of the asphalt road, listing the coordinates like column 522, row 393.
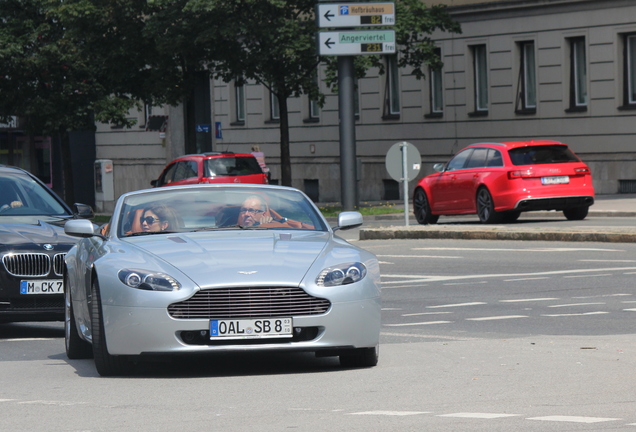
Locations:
column 477, row 335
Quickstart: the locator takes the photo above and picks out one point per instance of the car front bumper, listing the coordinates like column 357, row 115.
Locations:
column 144, row 330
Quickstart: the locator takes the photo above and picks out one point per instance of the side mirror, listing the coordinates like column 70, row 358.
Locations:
column 348, row 220
column 153, row 183
column 83, row 211
column 80, row 228
column 438, row 167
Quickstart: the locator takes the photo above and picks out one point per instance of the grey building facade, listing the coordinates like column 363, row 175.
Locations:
column 521, row 69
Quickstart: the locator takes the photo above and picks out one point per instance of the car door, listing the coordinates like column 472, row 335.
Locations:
column 186, row 172
column 469, row 179
column 445, row 195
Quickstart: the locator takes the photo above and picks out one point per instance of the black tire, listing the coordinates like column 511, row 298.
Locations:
column 76, row 347
column 510, row 216
column 106, row 364
column 486, row 207
column 361, row 357
column 422, row 208
column 578, row 213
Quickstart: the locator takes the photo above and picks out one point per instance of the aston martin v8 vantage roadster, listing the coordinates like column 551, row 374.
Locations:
column 225, row 267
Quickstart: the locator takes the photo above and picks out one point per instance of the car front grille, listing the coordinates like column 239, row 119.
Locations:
column 58, row 264
column 33, row 264
column 28, row 264
column 249, row 302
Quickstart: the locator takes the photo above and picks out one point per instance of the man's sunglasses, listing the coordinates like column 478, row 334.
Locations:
column 149, row 220
column 251, row 210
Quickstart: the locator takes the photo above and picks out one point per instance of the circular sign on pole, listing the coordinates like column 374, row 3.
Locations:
column 403, row 161
column 394, row 161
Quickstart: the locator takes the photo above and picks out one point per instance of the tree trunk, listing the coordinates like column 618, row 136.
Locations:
column 67, row 167
column 285, row 158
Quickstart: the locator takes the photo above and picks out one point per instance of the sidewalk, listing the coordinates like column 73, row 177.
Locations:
column 623, row 205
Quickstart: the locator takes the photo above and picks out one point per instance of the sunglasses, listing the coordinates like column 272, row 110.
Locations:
column 251, row 210
column 149, row 220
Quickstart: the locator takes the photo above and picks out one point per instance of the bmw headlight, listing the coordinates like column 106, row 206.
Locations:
column 342, row 274
column 146, row 280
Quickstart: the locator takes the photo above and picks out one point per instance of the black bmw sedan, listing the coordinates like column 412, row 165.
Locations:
column 32, row 247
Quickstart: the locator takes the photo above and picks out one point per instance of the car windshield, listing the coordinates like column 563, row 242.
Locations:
column 231, row 166
column 538, row 155
column 205, row 208
column 20, row 195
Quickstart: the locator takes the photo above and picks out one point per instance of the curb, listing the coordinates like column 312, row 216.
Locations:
column 424, row 233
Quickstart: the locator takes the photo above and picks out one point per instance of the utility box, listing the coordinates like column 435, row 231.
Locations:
column 104, row 185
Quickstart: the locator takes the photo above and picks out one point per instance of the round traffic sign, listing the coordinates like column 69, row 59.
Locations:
column 395, row 161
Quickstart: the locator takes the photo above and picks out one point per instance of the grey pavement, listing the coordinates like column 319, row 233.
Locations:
column 621, row 205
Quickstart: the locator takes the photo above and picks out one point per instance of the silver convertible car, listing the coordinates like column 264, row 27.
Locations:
column 225, row 267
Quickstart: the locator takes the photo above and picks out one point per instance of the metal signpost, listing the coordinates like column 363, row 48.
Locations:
column 345, row 45
column 403, row 162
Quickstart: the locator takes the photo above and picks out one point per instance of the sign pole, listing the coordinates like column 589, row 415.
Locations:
column 348, row 177
column 405, row 181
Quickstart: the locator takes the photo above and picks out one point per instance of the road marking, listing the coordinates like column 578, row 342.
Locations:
column 602, row 296
column 419, row 256
column 598, row 260
column 391, row 413
column 465, row 283
column 425, row 313
column 431, row 336
column 456, row 305
column 433, row 278
column 29, row 339
column 576, row 314
column 496, row 318
column 525, row 279
column 401, row 286
column 586, row 276
column 418, row 323
column 575, row 304
column 479, row 415
column 629, row 310
column 574, row 419
column 529, row 300
column 519, row 250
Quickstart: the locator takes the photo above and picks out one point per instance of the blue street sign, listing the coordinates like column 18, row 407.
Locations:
column 203, row 128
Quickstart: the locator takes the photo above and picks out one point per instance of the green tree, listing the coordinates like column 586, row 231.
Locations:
column 273, row 42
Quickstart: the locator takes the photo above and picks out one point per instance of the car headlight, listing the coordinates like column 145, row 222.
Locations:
column 146, row 280
column 342, row 274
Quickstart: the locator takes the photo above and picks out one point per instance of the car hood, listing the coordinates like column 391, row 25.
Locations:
column 38, row 233
column 248, row 257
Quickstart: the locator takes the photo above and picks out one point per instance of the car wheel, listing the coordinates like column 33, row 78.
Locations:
column 510, row 216
column 106, row 364
column 361, row 357
column 486, row 207
column 578, row 213
column 422, row 208
column 76, row 347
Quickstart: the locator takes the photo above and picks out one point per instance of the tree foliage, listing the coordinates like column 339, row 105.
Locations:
column 65, row 64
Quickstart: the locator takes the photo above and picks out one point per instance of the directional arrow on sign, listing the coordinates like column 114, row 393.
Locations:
column 329, row 42
column 328, row 15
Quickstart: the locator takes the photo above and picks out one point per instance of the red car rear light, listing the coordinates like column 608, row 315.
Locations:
column 520, row 174
column 584, row 170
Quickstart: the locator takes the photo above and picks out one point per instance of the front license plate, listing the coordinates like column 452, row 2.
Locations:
column 251, row 328
column 555, row 180
column 45, row 286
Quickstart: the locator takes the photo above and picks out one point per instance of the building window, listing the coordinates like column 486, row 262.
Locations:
column 578, row 75
column 480, row 73
column 436, row 90
column 274, row 107
column 527, row 83
column 392, row 93
column 629, row 99
column 239, row 103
